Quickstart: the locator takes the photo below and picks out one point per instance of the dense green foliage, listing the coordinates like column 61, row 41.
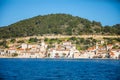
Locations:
column 82, row 43
column 31, row 40
column 21, row 41
column 4, row 44
column 64, row 24
column 14, row 54
column 12, row 40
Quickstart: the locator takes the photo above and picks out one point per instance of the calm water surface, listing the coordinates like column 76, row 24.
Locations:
column 59, row 69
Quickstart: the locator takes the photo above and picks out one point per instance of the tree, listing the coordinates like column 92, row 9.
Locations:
column 73, row 38
column 12, row 40
column 46, row 39
column 20, row 41
column 68, row 30
column 14, row 54
column 96, row 23
column 33, row 40
column 4, row 44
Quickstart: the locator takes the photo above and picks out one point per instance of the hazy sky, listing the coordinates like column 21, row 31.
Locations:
column 105, row 11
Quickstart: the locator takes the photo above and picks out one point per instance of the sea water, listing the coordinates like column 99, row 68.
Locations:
column 59, row 69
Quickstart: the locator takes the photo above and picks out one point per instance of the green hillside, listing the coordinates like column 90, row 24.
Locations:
column 64, row 24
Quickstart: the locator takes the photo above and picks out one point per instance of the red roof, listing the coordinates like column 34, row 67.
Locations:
column 111, row 53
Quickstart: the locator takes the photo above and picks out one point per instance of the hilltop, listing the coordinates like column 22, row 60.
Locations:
column 63, row 24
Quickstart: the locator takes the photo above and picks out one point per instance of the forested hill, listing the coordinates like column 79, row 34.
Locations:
column 63, row 24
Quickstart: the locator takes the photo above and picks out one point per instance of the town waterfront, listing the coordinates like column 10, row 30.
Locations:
column 59, row 69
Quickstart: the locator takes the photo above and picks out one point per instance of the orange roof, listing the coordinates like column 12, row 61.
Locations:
column 111, row 53
column 100, row 46
column 91, row 48
column 109, row 45
column 28, row 49
column 33, row 46
column 20, row 49
column 11, row 49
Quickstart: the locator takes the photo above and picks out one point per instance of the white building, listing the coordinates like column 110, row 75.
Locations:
column 115, row 54
column 2, row 52
column 24, row 46
column 10, row 51
column 54, row 53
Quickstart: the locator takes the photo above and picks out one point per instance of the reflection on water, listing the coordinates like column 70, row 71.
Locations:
column 59, row 69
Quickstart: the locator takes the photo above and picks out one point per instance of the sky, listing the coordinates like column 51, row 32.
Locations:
column 105, row 11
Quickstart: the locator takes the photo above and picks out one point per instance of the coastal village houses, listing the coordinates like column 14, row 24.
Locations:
column 64, row 50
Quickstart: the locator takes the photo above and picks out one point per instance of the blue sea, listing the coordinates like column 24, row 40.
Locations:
column 59, row 69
